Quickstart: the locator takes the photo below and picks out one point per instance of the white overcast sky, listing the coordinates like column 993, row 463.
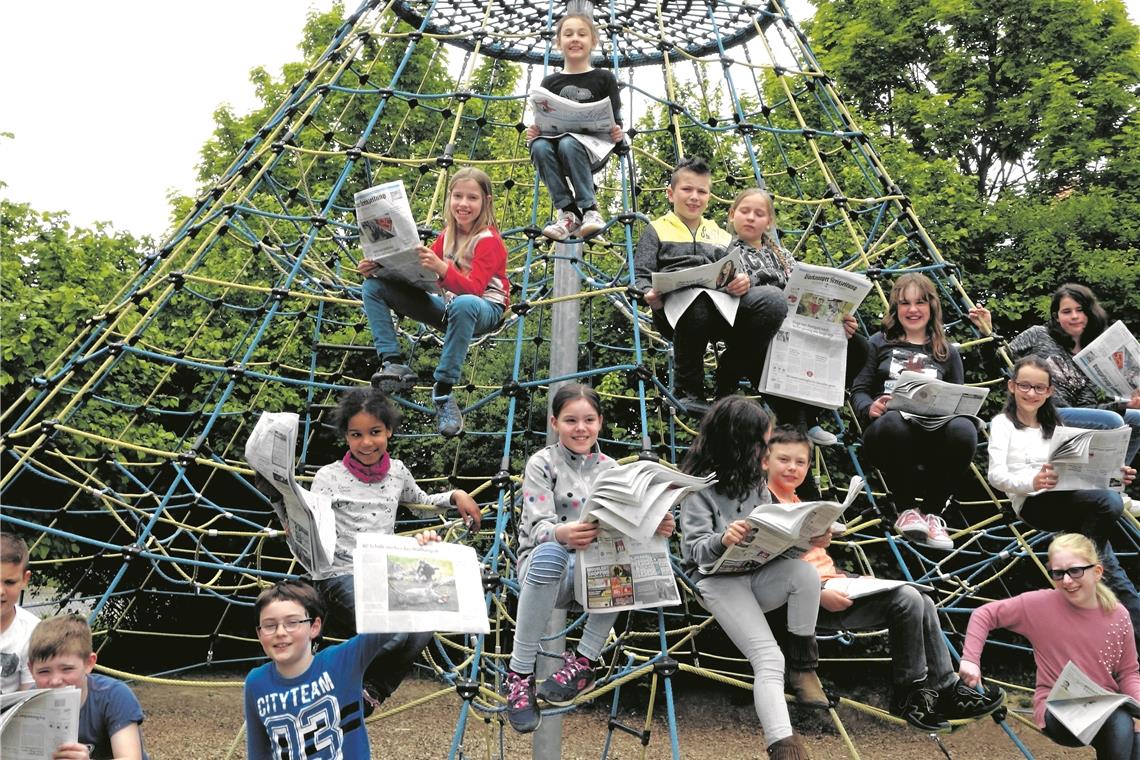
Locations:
column 109, row 102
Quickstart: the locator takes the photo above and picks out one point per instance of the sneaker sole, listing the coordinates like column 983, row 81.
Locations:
column 393, row 384
column 566, row 702
column 524, row 729
column 586, row 231
column 938, row 545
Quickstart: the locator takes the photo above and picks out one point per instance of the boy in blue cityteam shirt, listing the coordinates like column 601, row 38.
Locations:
column 302, row 705
column 60, row 653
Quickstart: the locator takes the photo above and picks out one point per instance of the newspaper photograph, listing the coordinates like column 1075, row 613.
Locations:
column 34, row 722
column 633, row 498
column 1081, row 705
column 388, row 233
column 404, row 587
column 933, row 402
column 617, row 573
column 308, row 517
column 807, row 358
column 1112, row 361
column 685, row 285
column 782, row 530
column 588, row 123
column 1088, row 458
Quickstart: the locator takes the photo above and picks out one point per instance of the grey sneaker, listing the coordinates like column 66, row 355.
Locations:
column 394, row 377
column 821, row 437
column 592, row 222
column 562, row 227
column 449, row 419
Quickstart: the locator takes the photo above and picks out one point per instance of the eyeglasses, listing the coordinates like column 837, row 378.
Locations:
column 1040, row 390
column 1058, row 573
column 290, row 626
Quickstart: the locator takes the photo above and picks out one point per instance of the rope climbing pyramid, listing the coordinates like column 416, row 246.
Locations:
column 124, row 455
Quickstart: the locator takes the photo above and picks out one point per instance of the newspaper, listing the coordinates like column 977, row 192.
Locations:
column 404, row 587
column 307, row 517
column 686, row 284
column 389, row 236
column 633, row 499
column 34, row 722
column 932, row 402
column 865, row 585
column 1112, row 361
column 807, row 358
column 588, row 123
column 616, row 573
column 782, row 530
column 1088, row 458
column 1081, row 705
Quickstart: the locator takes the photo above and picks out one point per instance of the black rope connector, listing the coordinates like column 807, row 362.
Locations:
column 635, row 294
column 177, row 279
column 491, row 580
column 131, row 551
column 521, row 308
column 642, row 372
column 466, row 689
column 47, row 427
column 235, row 370
column 447, row 159
column 809, row 134
column 279, row 294
column 512, row 389
column 186, row 458
column 648, row 455
column 875, row 273
column 318, row 221
column 532, row 232
column 666, row 667
column 426, row 233
column 501, row 479
column 115, row 348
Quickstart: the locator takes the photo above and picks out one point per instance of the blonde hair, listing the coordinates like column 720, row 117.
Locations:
column 60, row 636
column 1083, row 547
column 748, row 193
column 585, row 19
column 485, row 219
column 893, row 330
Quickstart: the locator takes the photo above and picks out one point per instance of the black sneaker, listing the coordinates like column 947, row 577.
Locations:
column 573, row 678
column 919, row 708
column 522, row 708
column 958, row 701
column 394, row 377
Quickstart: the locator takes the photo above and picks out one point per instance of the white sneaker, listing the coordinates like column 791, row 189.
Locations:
column 821, row 437
column 592, row 221
column 562, row 227
column 1131, row 506
column 938, row 537
column 913, row 525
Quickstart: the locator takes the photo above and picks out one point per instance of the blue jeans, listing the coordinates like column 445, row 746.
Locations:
column 395, row 661
column 1104, row 419
column 460, row 319
column 558, row 158
column 1117, row 739
column 1095, row 513
column 548, row 584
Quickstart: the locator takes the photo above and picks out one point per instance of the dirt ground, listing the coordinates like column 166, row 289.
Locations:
column 191, row 722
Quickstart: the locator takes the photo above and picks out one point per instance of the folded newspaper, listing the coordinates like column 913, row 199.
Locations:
column 1088, row 458
column 1081, row 705
column 932, row 402
column 589, row 123
column 307, row 517
column 782, row 530
column 1112, row 361
column 404, row 587
column 807, row 358
column 864, row 585
column 686, row 285
column 389, row 236
column 34, row 722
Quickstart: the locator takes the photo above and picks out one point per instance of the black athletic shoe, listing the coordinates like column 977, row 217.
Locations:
column 959, row 701
column 919, row 707
column 394, row 377
column 522, row 709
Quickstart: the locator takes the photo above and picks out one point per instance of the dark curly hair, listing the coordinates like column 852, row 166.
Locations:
column 370, row 400
column 730, row 443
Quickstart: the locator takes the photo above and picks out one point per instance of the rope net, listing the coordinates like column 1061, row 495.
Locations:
column 123, row 459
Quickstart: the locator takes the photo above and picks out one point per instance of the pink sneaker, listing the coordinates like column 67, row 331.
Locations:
column 913, row 525
column 938, row 537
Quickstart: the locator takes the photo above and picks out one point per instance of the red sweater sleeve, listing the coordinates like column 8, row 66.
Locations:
column 488, row 263
column 1006, row 613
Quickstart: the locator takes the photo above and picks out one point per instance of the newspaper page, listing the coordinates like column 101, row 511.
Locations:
column 782, row 530
column 617, row 573
column 1088, row 458
column 685, row 285
column 389, row 236
column 932, row 402
column 34, row 722
column 404, row 587
column 865, row 585
column 1112, row 361
column 1081, row 705
column 633, row 498
column 588, row 123
column 308, row 517
column 807, row 358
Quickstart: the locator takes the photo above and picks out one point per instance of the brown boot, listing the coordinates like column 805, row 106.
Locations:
column 789, row 748
column 801, row 653
column 806, row 688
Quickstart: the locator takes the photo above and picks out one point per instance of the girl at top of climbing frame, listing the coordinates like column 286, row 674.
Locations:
column 732, row 443
column 752, row 220
column 557, row 481
column 914, row 460
column 1019, row 446
column 1076, row 319
column 470, row 260
column 366, row 486
column 561, row 158
column 1078, row 620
